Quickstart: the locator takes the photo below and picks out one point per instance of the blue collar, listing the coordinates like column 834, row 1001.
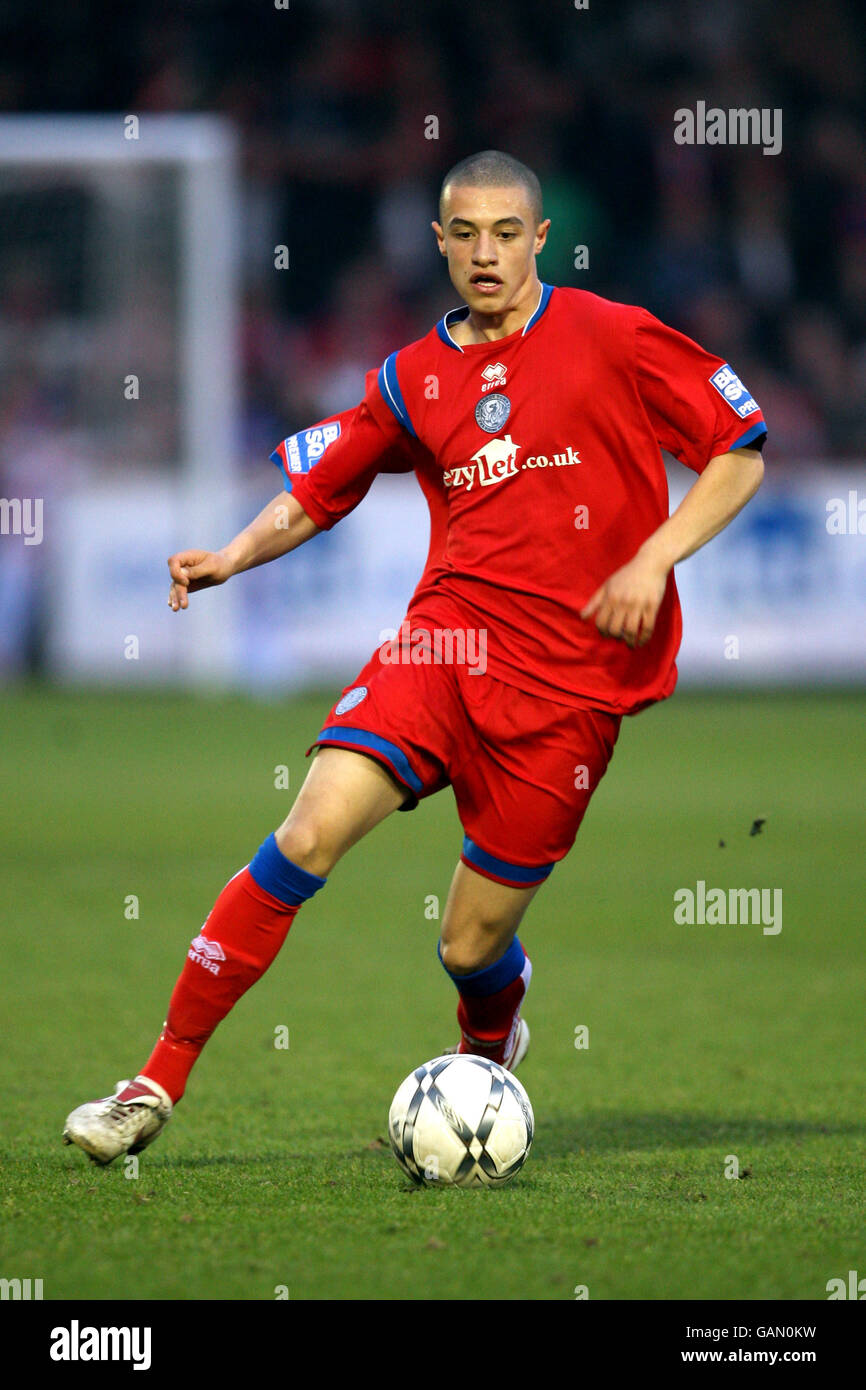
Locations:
column 458, row 315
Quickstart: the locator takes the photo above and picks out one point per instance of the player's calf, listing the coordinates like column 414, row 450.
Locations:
column 487, row 963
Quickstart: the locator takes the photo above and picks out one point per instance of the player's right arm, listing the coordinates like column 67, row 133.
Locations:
column 281, row 526
column 348, row 452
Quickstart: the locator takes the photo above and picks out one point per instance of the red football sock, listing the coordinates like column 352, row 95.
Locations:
column 486, row 1021
column 241, row 937
column 489, row 1007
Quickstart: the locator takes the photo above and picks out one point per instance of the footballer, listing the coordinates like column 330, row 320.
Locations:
column 534, row 419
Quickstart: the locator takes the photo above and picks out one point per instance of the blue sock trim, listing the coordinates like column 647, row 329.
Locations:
column 493, row 977
column 280, row 877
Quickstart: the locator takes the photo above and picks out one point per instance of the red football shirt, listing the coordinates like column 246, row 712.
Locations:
column 540, row 458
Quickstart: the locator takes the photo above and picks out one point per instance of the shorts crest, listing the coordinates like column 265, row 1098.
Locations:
column 351, row 699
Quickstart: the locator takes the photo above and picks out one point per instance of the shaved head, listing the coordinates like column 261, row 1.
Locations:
column 493, row 169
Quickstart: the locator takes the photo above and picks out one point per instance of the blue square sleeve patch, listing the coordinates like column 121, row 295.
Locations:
column 300, row 451
column 732, row 390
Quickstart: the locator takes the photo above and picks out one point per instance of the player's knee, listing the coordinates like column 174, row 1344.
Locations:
column 302, row 840
column 463, row 956
column 454, row 958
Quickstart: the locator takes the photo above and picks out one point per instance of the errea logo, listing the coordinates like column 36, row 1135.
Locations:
column 494, row 375
column 207, row 953
column 732, row 390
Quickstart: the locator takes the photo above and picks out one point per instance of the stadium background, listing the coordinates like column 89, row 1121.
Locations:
column 129, row 797
column 759, row 257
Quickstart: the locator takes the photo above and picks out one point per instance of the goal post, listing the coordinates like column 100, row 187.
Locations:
column 156, row 263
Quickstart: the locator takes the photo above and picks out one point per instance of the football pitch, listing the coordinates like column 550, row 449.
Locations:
column 698, row 1088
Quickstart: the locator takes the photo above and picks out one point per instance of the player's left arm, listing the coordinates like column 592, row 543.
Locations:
column 627, row 603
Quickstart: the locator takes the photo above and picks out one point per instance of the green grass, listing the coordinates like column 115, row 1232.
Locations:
column 704, row 1041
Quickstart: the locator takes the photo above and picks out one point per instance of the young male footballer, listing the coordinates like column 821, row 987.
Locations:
column 534, row 418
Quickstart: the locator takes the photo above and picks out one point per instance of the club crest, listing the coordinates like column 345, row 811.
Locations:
column 491, row 412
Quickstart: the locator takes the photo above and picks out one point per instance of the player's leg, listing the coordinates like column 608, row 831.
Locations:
column 385, row 743
column 521, row 799
column 480, row 950
column 344, row 796
column 480, row 920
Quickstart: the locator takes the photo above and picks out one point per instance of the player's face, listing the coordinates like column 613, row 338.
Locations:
column 491, row 240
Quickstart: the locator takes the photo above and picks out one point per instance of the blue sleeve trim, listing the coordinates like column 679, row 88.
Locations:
column 749, row 437
column 281, row 878
column 279, row 460
column 518, row 874
column 386, row 752
column 492, row 978
column 392, row 395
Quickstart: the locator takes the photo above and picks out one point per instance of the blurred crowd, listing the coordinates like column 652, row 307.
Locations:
column 761, row 258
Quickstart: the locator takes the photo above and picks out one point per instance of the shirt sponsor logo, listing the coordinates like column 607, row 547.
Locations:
column 492, row 464
column 732, row 390
column 491, row 412
column 494, row 375
column 564, row 460
column 497, row 461
column 306, row 448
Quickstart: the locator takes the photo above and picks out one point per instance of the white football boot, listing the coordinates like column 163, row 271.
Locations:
column 516, row 1049
column 520, row 1045
column 107, row 1128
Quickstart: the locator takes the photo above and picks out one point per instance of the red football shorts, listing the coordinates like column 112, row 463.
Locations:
column 523, row 768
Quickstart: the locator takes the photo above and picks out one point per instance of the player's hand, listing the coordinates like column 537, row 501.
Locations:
column 627, row 604
column 191, row 570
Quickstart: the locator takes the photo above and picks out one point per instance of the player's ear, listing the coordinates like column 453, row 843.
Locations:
column 440, row 236
column 541, row 235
